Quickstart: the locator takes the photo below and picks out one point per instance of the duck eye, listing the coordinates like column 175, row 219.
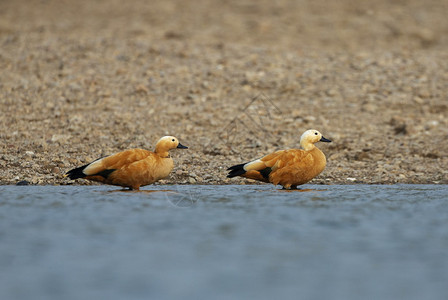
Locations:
column 173, row 140
column 315, row 133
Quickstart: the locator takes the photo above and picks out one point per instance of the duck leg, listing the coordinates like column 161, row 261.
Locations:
column 290, row 187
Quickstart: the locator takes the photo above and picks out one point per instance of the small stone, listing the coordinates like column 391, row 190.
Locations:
column 309, row 119
column 418, row 100
column 399, row 125
column 142, row 89
column 73, row 161
column 432, row 124
column 332, row 92
column 362, row 156
column 23, row 182
column 424, row 94
column 369, row 108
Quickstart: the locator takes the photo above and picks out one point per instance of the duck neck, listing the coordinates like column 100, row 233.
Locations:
column 307, row 146
column 162, row 151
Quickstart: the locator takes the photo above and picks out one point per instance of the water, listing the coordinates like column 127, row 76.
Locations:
column 215, row 242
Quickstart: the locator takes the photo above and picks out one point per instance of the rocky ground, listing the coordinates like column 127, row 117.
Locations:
column 233, row 80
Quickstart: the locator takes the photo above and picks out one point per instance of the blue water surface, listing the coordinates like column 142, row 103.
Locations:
column 224, row 242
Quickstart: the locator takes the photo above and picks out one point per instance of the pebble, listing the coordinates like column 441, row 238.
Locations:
column 23, row 182
column 230, row 95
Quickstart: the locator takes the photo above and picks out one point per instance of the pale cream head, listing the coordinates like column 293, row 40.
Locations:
column 310, row 137
column 167, row 143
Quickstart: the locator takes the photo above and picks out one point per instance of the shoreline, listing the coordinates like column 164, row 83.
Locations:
column 83, row 84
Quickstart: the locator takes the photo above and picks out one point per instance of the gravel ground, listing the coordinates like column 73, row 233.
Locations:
column 233, row 80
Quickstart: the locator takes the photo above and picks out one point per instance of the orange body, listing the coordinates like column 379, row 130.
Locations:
column 131, row 168
column 288, row 168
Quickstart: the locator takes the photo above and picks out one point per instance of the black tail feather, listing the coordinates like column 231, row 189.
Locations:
column 236, row 170
column 76, row 173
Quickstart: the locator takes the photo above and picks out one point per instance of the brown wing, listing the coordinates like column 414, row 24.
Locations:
column 115, row 161
column 280, row 167
column 141, row 172
column 260, row 169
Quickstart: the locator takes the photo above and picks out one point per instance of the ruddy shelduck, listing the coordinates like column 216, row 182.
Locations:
column 131, row 168
column 288, row 168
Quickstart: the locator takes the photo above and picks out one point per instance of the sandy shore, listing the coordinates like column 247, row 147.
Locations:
column 233, row 80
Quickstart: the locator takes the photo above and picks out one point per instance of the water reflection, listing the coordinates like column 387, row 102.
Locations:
column 338, row 242
column 138, row 191
column 302, row 190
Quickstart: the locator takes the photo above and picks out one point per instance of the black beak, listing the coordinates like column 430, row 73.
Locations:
column 324, row 140
column 180, row 146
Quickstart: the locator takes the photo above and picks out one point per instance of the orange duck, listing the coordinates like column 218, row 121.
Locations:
column 288, row 168
column 131, row 168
